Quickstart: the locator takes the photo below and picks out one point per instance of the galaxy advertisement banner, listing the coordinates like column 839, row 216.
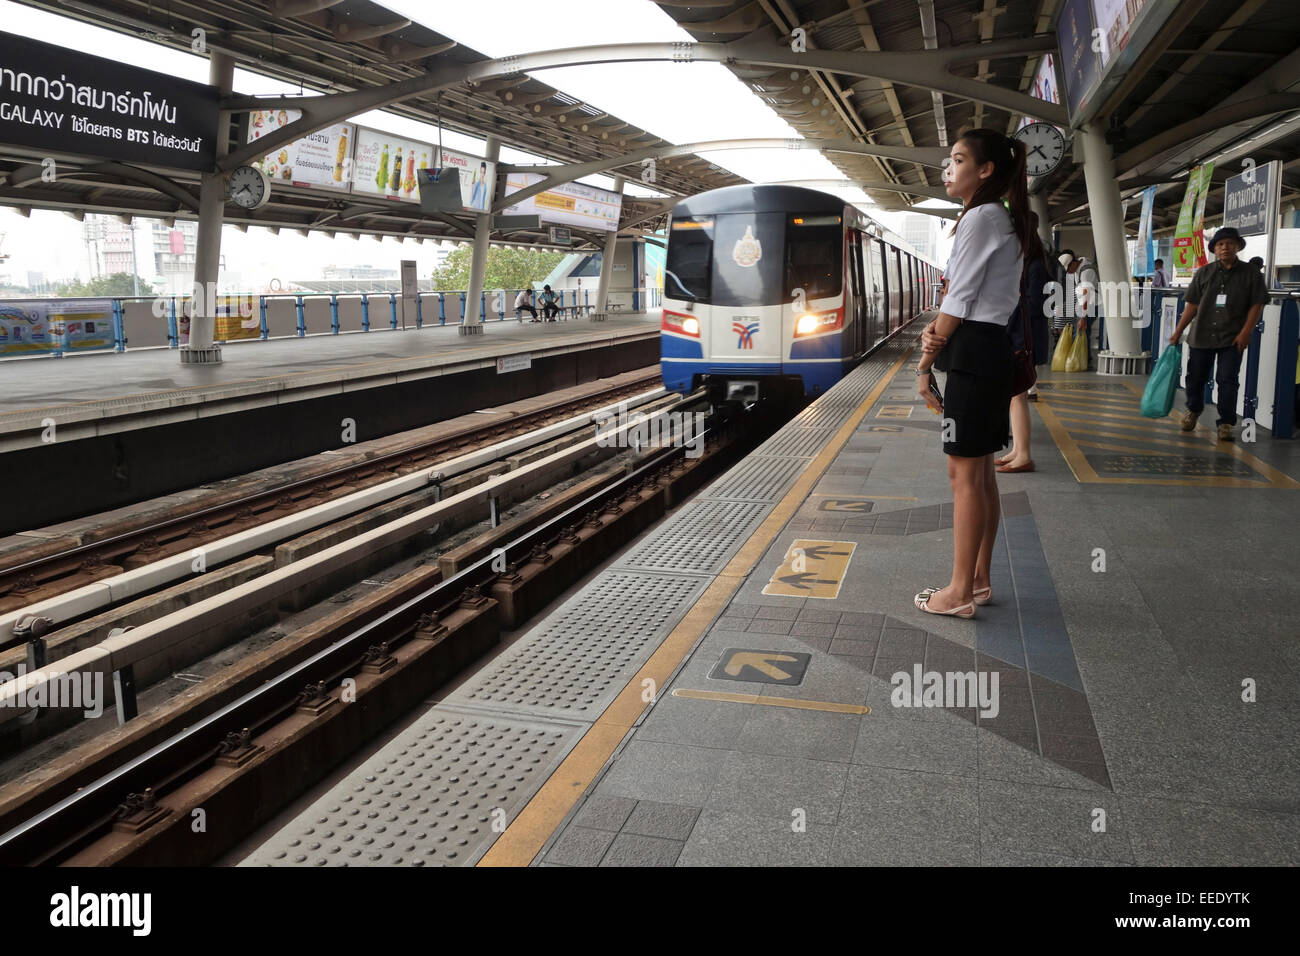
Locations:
column 1080, row 56
column 61, row 101
column 569, row 204
column 322, row 159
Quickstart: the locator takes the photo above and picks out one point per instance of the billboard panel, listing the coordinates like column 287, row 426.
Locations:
column 568, row 204
column 56, row 99
column 385, row 165
column 320, row 159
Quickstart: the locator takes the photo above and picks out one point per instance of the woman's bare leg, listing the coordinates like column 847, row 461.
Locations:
column 992, row 518
column 1019, row 431
column 970, row 500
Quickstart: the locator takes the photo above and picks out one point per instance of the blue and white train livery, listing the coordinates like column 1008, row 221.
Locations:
column 777, row 291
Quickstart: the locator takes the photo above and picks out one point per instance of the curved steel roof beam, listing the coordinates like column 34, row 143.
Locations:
column 925, row 69
column 141, row 177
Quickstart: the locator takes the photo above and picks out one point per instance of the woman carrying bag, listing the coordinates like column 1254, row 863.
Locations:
column 969, row 340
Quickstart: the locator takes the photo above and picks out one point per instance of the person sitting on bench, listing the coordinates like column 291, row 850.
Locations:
column 549, row 308
column 524, row 303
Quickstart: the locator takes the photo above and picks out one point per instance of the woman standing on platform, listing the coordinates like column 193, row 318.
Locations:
column 969, row 341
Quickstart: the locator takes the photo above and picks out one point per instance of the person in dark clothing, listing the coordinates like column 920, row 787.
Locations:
column 1225, row 298
column 1033, row 306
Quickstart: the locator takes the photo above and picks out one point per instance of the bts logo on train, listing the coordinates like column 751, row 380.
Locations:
column 746, row 333
column 822, row 282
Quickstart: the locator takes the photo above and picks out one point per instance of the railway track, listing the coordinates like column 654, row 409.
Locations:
column 26, row 582
column 265, row 731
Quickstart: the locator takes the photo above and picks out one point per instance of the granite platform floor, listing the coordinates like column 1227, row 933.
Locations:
column 1143, row 633
column 31, row 384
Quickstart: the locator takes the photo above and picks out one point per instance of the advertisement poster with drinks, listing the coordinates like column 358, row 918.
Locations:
column 385, row 165
column 569, row 204
column 319, row 159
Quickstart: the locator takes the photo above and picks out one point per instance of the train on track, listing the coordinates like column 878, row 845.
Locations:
column 776, row 292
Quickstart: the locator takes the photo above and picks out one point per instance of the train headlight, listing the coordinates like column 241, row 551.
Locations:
column 807, row 324
column 691, row 325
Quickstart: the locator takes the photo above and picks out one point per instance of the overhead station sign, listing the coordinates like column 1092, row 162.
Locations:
column 62, row 101
column 568, row 204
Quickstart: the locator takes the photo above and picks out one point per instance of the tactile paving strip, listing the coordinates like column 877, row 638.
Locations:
column 796, row 443
column 757, row 479
column 428, row 798
column 577, row 660
column 700, row 538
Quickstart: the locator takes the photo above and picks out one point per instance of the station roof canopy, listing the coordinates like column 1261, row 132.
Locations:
column 348, row 45
column 1206, row 57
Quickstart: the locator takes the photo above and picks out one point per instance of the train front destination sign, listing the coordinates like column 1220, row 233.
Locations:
column 65, row 102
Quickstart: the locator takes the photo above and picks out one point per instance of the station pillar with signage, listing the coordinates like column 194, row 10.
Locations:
column 607, row 259
column 472, row 324
column 202, row 349
column 1125, row 355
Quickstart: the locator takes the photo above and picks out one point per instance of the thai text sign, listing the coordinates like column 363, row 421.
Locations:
column 1245, row 201
column 56, row 99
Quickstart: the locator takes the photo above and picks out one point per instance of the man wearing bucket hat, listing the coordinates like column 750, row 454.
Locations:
column 1226, row 299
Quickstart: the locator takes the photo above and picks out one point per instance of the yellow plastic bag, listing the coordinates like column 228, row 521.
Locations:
column 1078, row 360
column 1062, row 353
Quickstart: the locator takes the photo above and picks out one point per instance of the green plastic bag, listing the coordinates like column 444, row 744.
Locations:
column 1078, row 359
column 1158, row 398
column 1062, row 353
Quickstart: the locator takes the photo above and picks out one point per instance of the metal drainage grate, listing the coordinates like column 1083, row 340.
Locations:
column 426, row 799
column 700, row 539
column 575, row 662
column 757, row 479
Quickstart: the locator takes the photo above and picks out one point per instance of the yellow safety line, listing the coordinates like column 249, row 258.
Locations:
column 524, row 838
column 1091, row 413
column 774, row 701
column 1085, row 474
column 818, row 494
column 1189, row 442
column 1082, row 399
column 1127, row 449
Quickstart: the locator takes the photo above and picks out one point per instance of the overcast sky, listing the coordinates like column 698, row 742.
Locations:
column 667, row 99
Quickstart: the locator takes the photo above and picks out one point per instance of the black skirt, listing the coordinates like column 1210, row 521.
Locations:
column 977, row 396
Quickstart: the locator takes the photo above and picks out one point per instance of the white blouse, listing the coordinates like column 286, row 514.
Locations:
column 984, row 268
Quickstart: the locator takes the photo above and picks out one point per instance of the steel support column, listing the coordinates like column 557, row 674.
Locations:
column 607, row 258
column 1112, row 260
column 207, row 250
column 472, row 323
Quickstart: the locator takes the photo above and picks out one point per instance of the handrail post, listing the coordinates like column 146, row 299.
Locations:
column 365, row 312
column 419, row 311
column 392, row 310
column 261, row 317
column 173, row 333
column 119, row 327
column 334, row 312
column 302, row 316
column 442, row 308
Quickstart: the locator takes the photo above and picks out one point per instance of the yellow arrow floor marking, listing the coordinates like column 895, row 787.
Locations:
column 760, row 662
column 774, row 701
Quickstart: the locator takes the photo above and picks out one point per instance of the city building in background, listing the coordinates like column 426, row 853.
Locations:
column 108, row 246
column 921, row 232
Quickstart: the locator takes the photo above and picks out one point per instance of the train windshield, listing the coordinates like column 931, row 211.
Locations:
column 814, row 250
column 689, row 265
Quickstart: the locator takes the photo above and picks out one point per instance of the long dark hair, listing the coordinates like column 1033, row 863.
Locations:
column 1008, row 181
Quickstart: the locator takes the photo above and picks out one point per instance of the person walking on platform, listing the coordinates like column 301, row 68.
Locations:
column 1067, row 266
column 524, row 303
column 549, row 308
column 1225, row 298
column 1035, row 300
column 969, row 340
column 1086, row 279
column 1161, row 280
